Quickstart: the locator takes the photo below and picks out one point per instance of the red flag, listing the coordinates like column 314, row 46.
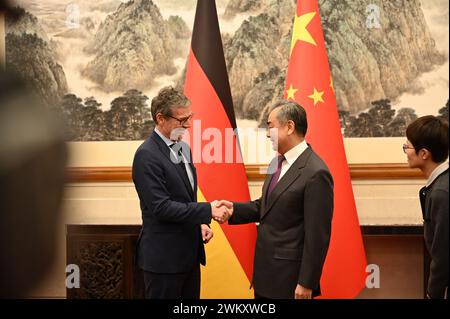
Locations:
column 309, row 83
column 230, row 252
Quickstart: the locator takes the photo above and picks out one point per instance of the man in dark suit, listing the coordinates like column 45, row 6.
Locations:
column 427, row 149
column 170, row 246
column 294, row 212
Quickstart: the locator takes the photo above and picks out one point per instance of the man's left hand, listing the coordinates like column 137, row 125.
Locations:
column 207, row 233
column 302, row 292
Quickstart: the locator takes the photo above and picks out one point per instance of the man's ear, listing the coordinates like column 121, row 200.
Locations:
column 425, row 154
column 160, row 118
column 291, row 127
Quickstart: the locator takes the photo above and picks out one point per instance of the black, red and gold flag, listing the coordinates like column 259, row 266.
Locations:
column 230, row 253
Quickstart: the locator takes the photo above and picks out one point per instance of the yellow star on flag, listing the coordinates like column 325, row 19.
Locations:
column 299, row 31
column 291, row 92
column 317, row 97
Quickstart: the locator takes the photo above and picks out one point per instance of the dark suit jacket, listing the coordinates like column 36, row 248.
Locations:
column 294, row 230
column 435, row 210
column 170, row 239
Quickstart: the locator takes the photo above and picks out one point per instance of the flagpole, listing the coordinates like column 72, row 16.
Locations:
column 2, row 40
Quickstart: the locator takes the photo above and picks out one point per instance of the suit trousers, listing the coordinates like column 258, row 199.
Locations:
column 258, row 296
column 173, row 286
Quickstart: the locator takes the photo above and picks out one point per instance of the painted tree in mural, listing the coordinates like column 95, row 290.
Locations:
column 359, row 126
column 344, row 117
column 128, row 119
column 379, row 121
column 372, row 123
column 443, row 112
column 93, row 120
column 397, row 127
column 71, row 109
column 84, row 121
column 128, row 116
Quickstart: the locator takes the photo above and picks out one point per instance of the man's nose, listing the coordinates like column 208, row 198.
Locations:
column 188, row 123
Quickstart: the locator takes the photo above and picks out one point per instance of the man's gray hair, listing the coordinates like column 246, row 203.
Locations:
column 167, row 98
column 292, row 111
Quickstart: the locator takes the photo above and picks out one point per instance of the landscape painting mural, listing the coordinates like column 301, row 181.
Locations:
column 99, row 63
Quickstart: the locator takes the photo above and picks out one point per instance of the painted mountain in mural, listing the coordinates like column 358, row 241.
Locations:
column 133, row 46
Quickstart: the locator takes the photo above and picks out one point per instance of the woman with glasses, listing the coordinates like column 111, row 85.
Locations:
column 427, row 149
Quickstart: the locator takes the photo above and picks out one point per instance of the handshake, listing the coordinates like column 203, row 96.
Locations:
column 221, row 210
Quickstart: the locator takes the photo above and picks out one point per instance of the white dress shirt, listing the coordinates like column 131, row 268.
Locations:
column 291, row 156
column 186, row 164
column 436, row 172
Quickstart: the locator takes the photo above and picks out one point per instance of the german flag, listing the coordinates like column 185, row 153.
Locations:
column 230, row 253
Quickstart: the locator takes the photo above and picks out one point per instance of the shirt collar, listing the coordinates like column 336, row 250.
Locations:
column 165, row 139
column 437, row 171
column 292, row 155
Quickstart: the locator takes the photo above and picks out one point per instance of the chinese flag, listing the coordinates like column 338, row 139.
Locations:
column 309, row 83
column 229, row 264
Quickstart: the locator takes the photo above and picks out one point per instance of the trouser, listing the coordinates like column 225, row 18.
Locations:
column 173, row 286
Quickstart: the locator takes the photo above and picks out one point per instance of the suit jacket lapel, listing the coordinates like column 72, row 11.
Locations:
column 273, row 164
column 288, row 178
column 188, row 155
column 166, row 151
column 264, row 191
column 194, row 173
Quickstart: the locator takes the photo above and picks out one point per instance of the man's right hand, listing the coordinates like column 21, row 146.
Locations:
column 221, row 211
column 225, row 203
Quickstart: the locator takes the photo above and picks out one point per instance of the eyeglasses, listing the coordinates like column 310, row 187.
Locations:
column 182, row 121
column 406, row 146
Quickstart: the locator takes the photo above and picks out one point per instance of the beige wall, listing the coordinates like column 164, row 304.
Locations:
column 358, row 151
column 379, row 202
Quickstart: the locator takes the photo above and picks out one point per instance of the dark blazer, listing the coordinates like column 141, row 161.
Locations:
column 435, row 210
column 294, row 228
column 170, row 239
